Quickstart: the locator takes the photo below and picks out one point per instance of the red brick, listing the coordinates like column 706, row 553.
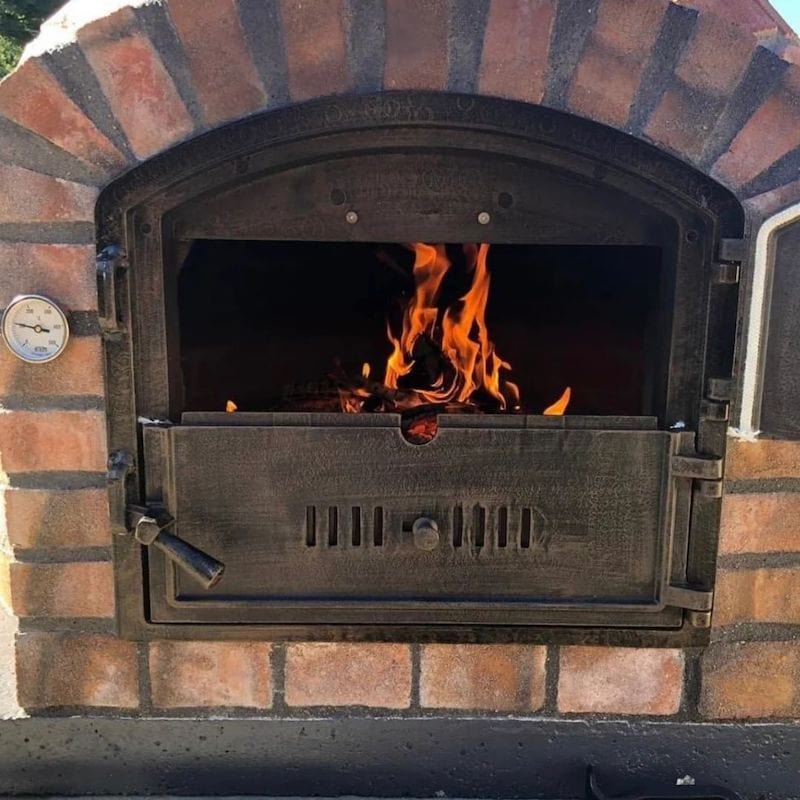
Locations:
column 344, row 674
column 716, row 57
column 416, row 44
column 514, row 62
column 752, row 15
column 316, row 49
column 64, row 272
column 63, row 590
column 768, row 203
column 772, row 132
column 760, row 523
column 618, row 49
column 757, row 679
column 222, row 70
column 674, row 123
column 32, row 441
column 757, row 595
column 708, row 71
column 30, row 197
column 138, row 87
column 486, row 677
column 79, row 371
column 766, row 458
column 619, row 680
column 36, row 518
column 57, row 670
column 34, row 99
column 210, row 674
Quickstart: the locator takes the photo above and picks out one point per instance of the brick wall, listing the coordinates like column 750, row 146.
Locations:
column 128, row 85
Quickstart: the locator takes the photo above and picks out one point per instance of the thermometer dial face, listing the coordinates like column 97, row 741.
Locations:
column 35, row 328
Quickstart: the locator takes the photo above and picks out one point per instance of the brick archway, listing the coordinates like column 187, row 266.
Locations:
column 104, row 92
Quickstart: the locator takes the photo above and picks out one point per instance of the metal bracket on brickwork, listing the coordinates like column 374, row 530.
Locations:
column 112, row 265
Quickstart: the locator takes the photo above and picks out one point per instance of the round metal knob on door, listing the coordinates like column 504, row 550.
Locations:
column 426, row 533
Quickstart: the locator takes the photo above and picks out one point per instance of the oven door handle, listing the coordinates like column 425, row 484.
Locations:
column 149, row 524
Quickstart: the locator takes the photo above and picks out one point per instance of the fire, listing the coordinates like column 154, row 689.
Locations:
column 230, row 407
column 559, row 408
column 469, row 362
column 442, row 356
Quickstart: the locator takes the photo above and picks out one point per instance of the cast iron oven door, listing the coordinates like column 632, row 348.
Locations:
column 338, row 519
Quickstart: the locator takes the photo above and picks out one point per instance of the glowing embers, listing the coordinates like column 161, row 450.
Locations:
column 442, row 359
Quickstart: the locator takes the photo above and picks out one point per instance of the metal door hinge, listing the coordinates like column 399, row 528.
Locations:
column 732, row 250
column 689, row 598
column 706, row 470
column 111, row 266
column 714, row 412
column 720, row 389
column 726, row 273
column 699, row 467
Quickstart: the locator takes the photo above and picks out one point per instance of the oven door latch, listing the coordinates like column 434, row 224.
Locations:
column 149, row 524
column 112, row 266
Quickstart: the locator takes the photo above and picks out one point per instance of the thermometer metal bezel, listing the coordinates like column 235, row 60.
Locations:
column 9, row 340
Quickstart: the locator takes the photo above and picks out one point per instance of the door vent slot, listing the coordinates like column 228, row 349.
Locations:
column 525, row 532
column 502, row 526
column 458, row 526
column 479, row 526
column 377, row 527
column 311, row 526
column 333, row 526
column 355, row 533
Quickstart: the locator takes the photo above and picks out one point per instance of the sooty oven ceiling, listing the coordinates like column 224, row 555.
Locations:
column 278, row 280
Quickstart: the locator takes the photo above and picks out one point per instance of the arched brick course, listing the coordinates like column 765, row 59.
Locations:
column 127, row 85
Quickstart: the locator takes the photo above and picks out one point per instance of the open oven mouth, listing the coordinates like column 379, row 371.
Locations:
column 420, row 330
column 390, row 388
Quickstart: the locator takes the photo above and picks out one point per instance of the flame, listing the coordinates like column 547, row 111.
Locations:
column 447, row 349
column 470, row 363
column 230, row 407
column 560, row 406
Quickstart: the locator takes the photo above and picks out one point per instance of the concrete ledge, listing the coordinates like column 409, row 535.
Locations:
column 422, row 757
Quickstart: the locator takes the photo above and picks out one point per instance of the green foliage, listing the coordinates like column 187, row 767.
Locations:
column 10, row 52
column 19, row 22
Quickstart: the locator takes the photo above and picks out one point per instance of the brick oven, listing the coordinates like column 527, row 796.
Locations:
column 427, row 361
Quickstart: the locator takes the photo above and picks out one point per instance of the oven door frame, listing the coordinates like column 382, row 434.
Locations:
column 142, row 221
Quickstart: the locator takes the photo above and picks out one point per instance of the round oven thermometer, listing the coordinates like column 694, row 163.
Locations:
column 35, row 328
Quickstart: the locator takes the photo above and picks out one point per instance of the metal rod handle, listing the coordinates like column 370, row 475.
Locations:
column 205, row 569
column 148, row 526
